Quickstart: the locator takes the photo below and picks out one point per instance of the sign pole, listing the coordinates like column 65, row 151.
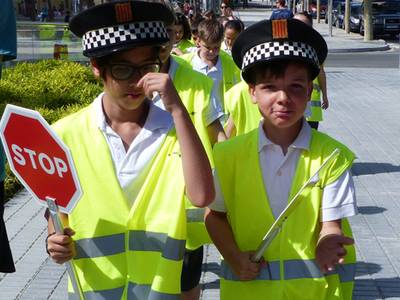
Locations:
column 58, row 226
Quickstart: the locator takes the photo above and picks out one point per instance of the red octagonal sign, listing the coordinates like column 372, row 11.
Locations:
column 39, row 158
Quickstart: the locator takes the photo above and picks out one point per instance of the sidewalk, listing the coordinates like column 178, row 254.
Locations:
column 362, row 114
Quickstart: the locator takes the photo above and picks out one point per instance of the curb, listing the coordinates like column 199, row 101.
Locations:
column 355, row 50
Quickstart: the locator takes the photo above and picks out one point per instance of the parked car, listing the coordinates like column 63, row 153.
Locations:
column 355, row 12
column 385, row 17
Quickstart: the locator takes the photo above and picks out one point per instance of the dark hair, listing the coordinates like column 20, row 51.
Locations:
column 281, row 2
column 181, row 20
column 275, row 68
column 194, row 25
column 307, row 15
column 236, row 25
column 211, row 31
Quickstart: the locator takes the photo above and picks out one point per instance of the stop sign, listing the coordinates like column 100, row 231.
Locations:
column 38, row 158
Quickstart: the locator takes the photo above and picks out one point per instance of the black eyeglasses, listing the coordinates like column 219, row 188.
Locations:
column 121, row 71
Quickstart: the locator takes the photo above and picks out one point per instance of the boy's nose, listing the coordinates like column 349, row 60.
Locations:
column 282, row 96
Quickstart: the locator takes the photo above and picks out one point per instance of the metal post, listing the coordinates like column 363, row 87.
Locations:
column 329, row 15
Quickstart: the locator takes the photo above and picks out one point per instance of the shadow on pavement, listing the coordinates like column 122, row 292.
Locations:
column 365, row 168
column 366, row 268
column 371, row 210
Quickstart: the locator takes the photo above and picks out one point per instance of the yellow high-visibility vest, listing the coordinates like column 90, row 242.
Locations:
column 125, row 252
column 195, row 95
column 241, row 109
column 315, row 102
column 291, row 271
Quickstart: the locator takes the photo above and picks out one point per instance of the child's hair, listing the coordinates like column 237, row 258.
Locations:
column 181, row 20
column 194, row 25
column 281, row 2
column 276, row 69
column 210, row 31
column 307, row 15
column 236, row 25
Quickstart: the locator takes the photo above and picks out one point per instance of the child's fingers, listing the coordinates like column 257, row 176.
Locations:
column 68, row 231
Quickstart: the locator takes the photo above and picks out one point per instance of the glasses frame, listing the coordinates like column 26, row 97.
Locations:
column 135, row 70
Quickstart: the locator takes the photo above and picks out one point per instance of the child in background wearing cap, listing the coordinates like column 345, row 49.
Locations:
column 135, row 161
column 319, row 84
column 204, row 110
column 209, row 60
column 257, row 173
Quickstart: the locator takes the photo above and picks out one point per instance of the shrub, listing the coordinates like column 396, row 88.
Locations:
column 55, row 88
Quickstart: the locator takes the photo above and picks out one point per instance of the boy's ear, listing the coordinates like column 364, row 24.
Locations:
column 252, row 92
column 95, row 68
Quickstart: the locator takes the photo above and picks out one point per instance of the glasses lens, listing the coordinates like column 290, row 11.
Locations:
column 150, row 68
column 125, row 72
column 122, row 72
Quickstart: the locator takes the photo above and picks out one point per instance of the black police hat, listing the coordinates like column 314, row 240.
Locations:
column 121, row 25
column 272, row 40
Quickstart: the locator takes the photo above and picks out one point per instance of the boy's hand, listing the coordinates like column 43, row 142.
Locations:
column 330, row 251
column 244, row 267
column 60, row 246
column 162, row 84
column 325, row 103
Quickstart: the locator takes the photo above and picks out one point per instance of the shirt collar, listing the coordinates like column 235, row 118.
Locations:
column 156, row 119
column 302, row 140
column 199, row 64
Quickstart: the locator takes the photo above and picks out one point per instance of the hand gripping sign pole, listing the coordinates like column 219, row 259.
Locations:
column 59, row 228
column 43, row 164
column 277, row 225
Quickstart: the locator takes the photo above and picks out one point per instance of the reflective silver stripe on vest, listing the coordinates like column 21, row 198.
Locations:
column 100, row 246
column 195, row 215
column 144, row 291
column 154, row 241
column 315, row 103
column 113, row 294
column 297, row 268
column 346, row 272
column 269, row 272
column 316, row 87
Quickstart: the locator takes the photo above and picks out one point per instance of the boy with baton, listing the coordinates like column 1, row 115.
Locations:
column 257, row 174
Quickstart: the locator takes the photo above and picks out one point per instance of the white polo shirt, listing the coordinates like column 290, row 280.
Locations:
column 132, row 166
column 278, row 170
column 215, row 73
column 215, row 110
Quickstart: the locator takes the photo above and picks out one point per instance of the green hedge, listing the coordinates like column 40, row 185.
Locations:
column 55, row 88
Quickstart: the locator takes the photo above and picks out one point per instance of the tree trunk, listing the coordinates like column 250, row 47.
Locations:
column 368, row 28
column 347, row 16
column 318, row 10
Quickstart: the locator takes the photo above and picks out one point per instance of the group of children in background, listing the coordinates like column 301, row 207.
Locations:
column 204, row 121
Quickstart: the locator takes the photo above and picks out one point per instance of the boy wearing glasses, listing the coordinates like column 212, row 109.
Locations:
column 134, row 160
column 209, row 60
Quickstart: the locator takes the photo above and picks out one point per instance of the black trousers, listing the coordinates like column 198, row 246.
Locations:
column 6, row 260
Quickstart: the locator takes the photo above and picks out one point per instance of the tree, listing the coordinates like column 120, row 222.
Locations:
column 347, row 16
column 318, row 10
column 366, row 25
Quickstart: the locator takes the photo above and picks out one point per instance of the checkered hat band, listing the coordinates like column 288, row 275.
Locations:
column 108, row 36
column 279, row 49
